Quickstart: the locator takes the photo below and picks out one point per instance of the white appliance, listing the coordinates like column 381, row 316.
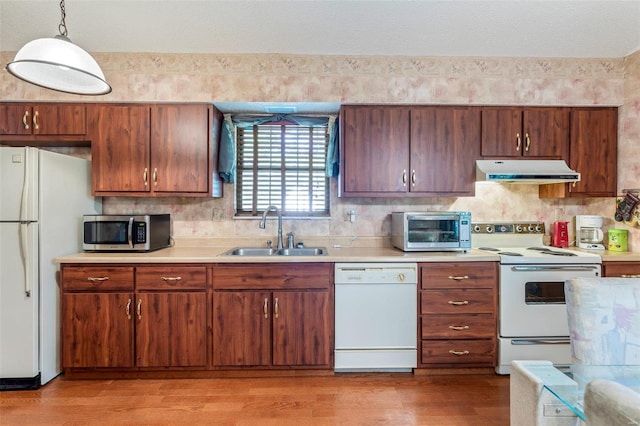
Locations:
column 589, row 234
column 376, row 316
column 532, row 314
column 43, row 196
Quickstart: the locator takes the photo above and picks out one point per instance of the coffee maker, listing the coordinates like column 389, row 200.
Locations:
column 589, row 234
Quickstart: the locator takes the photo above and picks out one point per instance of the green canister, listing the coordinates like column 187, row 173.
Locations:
column 618, row 239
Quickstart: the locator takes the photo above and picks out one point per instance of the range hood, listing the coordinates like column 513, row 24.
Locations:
column 525, row 171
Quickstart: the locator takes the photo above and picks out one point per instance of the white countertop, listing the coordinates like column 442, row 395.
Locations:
column 212, row 255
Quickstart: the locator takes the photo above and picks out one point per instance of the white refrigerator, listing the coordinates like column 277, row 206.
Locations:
column 43, row 196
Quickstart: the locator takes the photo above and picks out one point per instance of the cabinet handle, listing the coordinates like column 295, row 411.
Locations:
column 171, row 278
column 518, row 142
column 404, row 178
column 36, row 126
column 145, row 176
column 155, row 176
column 458, row 277
column 129, row 309
column 527, row 142
column 629, row 276
column 459, row 353
column 275, row 308
column 265, row 308
column 458, row 303
column 401, row 277
column 97, row 279
column 413, row 178
column 139, row 309
column 25, row 120
column 458, row 327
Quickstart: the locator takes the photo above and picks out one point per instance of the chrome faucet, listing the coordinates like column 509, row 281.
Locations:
column 264, row 219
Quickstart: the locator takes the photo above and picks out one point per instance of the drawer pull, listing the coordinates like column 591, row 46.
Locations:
column 458, row 302
column 25, row 117
column 128, row 309
column 459, row 327
column 458, row 277
column 459, row 353
column 629, row 276
column 170, row 278
column 97, row 279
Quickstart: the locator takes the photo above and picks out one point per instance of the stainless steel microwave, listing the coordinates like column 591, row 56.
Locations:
column 126, row 233
column 431, row 231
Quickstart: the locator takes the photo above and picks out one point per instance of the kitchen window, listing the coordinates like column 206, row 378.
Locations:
column 282, row 164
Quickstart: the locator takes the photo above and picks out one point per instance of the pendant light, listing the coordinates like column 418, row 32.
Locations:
column 58, row 64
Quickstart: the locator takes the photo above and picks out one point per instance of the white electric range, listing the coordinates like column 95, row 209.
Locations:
column 532, row 315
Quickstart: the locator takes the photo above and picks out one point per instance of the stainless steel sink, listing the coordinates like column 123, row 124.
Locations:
column 250, row 251
column 264, row 251
column 303, row 251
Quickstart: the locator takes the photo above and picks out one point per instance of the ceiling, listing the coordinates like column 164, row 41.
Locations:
column 513, row 28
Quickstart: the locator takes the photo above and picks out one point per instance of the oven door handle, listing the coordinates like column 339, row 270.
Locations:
column 554, row 268
column 540, row 342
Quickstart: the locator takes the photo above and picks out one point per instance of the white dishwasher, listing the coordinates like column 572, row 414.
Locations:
column 376, row 314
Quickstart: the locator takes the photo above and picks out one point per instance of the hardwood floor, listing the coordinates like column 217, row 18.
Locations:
column 343, row 399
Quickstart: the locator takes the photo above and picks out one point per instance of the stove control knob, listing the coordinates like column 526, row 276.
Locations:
column 476, row 228
column 538, row 228
column 489, row 229
column 518, row 228
column 530, row 228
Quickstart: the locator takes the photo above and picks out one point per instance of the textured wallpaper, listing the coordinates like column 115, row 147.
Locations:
column 360, row 79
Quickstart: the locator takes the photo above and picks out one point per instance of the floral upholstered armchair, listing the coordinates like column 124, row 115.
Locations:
column 604, row 320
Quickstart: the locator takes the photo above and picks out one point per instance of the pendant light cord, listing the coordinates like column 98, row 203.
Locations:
column 63, row 25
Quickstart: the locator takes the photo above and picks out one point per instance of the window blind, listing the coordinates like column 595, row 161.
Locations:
column 282, row 165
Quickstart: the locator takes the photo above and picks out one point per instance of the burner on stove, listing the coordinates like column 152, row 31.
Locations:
column 509, row 253
column 488, row 249
column 545, row 250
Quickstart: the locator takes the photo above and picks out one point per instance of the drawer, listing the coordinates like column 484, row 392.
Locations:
column 171, row 277
column 622, row 269
column 456, row 275
column 277, row 276
column 461, row 301
column 97, row 278
column 475, row 326
column 458, row 352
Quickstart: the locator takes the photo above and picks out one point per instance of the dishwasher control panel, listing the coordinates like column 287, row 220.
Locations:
column 376, row 273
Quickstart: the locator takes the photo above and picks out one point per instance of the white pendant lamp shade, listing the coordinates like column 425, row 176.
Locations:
column 56, row 63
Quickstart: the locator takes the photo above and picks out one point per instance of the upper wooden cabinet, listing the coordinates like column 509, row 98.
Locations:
column 154, row 150
column 23, row 122
column 593, row 153
column 408, row 151
column 536, row 132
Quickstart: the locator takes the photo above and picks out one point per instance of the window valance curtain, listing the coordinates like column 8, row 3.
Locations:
column 227, row 152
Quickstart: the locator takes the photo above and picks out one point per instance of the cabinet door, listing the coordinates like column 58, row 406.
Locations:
column 97, row 330
column 119, row 148
column 171, row 329
column 375, row 150
column 42, row 119
column 301, row 328
column 502, row 132
column 241, row 328
column 546, row 133
column 593, row 152
column 621, row 269
column 181, row 153
column 445, row 143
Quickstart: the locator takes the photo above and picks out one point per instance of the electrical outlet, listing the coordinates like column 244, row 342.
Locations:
column 351, row 214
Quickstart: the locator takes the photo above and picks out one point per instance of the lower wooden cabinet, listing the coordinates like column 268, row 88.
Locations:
column 621, row 269
column 131, row 317
column 458, row 314
column 273, row 316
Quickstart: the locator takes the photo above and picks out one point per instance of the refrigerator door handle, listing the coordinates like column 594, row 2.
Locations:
column 25, row 188
column 24, row 244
